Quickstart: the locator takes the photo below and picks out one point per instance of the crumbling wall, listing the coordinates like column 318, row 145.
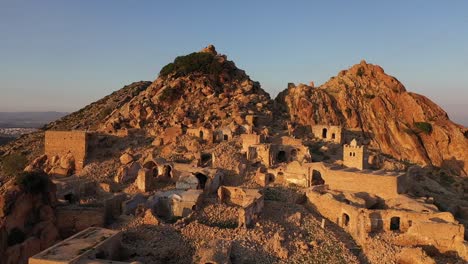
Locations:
column 414, row 229
column 293, row 173
column 73, row 219
column 202, row 133
column 250, row 201
column 260, row 152
column 383, row 185
column 249, row 140
column 59, row 143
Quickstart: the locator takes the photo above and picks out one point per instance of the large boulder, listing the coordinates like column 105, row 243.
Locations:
column 126, row 158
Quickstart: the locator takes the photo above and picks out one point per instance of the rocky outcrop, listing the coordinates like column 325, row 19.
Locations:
column 213, row 93
column 402, row 124
column 27, row 218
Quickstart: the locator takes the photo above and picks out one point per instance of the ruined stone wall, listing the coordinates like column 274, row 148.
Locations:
column 385, row 186
column 202, row 133
column 350, row 218
column 414, row 229
column 327, row 133
column 59, row 143
column 249, row 140
column 72, row 219
column 293, row 173
column 260, row 152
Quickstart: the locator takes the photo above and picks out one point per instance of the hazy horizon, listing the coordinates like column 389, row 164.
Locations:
column 58, row 56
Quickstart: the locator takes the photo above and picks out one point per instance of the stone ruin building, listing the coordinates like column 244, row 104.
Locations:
column 250, row 202
column 92, row 245
column 71, row 144
column 353, row 155
column 327, row 133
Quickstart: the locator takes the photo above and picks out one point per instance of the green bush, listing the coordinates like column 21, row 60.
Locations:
column 14, row 163
column 424, row 127
column 15, row 236
column 33, row 182
column 195, row 62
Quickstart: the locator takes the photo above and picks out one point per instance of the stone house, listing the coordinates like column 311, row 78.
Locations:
column 328, row 133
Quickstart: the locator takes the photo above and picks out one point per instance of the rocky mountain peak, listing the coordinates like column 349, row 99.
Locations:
column 209, row 49
column 365, row 76
column 201, row 88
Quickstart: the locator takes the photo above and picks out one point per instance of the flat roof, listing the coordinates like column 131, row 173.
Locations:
column 74, row 247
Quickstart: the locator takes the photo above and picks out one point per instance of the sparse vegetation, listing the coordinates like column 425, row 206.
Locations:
column 424, row 127
column 369, row 96
column 273, row 194
column 33, row 182
column 13, row 163
column 194, row 62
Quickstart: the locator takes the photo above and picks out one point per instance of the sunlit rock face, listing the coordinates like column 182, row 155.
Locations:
column 405, row 125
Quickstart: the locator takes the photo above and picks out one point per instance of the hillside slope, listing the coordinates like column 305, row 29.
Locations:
column 199, row 89
column 87, row 118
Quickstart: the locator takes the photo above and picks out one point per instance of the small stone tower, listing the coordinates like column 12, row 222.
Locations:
column 353, row 155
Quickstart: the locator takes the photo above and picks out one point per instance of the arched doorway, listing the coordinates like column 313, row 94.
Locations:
column 281, row 156
column 317, row 178
column 201, row 134
column 324, row 133
column 345, row 219
column 167, row 171
column 202, row 179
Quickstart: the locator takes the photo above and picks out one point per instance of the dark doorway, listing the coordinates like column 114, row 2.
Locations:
column 70, row 198
column 205, row 158
column 202, row 179
column 281, row 157
column 345, row 219
column 167, row 171
column 226, row 137
column 395, row 223
column 324, row 133
column 317, row 178
column 201, row 134
column 333, row 136
column 150, row 165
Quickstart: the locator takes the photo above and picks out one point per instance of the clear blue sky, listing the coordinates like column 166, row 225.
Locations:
column 61, row 55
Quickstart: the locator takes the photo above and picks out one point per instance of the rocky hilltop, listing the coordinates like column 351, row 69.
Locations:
column 405, row 125
column 199, row 89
